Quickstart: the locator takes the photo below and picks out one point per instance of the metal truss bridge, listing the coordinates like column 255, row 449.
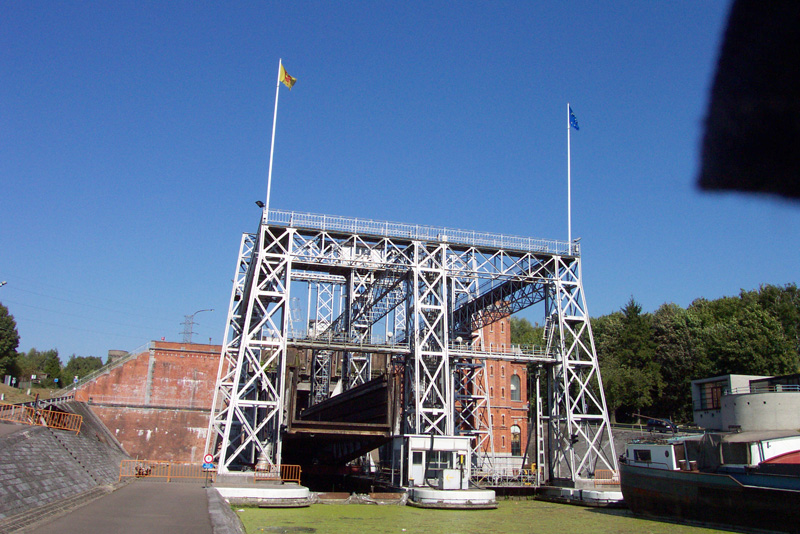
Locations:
column 395, row 310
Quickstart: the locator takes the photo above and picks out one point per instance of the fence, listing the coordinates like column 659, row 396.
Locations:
column 164, row 470
column 507, row 476
column 28, row 415
column 284, row 473
column 416, row 231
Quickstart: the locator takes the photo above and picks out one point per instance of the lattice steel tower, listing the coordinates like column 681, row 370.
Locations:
column 417, row 294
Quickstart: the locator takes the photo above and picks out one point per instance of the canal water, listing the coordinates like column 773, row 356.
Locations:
column 510, row 517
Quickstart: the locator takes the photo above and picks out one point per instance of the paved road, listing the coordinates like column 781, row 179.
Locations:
column 142, row 507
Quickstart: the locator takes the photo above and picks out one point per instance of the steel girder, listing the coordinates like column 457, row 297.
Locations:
column 473, row 410
column 429, row 406
column 322, row 360
column 427, row 293
column 577, row 406
column 357, row 368
column 230, row 348
column 253, row 390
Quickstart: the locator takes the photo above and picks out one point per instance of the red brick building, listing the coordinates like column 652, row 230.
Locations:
column 507, row 384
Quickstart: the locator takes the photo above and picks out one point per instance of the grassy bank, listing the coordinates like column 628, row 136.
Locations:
column 14, row 395
column 521, row 516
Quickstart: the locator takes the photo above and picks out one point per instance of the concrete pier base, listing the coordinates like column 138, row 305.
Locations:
column 452, row 499
column 243, row 490
column 583, row 497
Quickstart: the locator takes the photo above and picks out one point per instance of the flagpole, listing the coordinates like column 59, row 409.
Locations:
column 569, row 184
column 272, row 144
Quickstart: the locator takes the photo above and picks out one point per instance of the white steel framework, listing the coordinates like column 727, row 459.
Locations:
column 419, row 293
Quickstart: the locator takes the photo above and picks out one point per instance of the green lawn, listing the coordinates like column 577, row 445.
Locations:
column 517, row 516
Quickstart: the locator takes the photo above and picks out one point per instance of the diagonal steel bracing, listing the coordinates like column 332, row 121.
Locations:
column 577, row 407
column 418, row 293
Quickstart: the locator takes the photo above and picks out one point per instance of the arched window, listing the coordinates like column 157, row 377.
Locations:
column 515, row 388
column 516, row 441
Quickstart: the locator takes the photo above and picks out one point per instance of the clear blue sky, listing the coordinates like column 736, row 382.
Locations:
column 134, row 141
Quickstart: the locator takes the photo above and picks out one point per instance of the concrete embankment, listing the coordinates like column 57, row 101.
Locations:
column 41, row 466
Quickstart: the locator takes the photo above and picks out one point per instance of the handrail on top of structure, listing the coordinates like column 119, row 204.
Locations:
column 418, row 231
column 106, row 368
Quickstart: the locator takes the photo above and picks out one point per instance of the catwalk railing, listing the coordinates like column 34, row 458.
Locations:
column 142, row 402
column 333, row 223
column 106, row 368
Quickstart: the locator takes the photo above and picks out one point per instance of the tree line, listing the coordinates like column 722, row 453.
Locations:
column 648, row 360
column 45, row 365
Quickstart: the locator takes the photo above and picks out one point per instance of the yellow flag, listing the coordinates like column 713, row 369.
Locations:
column 287, row 80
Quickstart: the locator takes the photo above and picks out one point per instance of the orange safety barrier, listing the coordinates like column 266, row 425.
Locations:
column 163, row 470
column 283, row 473
column 32, row 416
column 606, row 476
column 290, row 473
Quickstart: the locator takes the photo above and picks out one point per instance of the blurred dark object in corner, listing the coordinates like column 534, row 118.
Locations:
column 752, row 137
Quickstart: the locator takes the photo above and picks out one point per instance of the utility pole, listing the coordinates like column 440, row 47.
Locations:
column 188, row 325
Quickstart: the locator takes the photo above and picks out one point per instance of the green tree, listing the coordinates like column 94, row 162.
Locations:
column 524, row 333
column 783, row 304
column 51, row 368
column 36, row 362
column 79, row 366
column 739, row 336
column 680, row 361
column 751, row 342
column 626, row 352
column 9, row 341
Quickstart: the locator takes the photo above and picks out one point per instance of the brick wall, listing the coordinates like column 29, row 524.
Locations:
column 158, row 403
column 509, row 407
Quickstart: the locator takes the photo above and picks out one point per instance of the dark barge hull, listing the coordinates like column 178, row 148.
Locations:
column 709, row 498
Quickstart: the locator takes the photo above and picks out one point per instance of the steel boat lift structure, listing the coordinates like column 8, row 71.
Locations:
column 416, row 295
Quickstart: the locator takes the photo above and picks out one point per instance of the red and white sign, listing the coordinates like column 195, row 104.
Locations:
column 208, row 458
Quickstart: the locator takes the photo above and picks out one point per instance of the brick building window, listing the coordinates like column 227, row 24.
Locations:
column 502, row 393
column 503, row 371
column 516, row 441
column 502, row 327
column 502, row 419
column 515, row 388
column 491, row 370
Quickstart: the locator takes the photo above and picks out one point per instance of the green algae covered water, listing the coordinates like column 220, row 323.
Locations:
column 511, row 517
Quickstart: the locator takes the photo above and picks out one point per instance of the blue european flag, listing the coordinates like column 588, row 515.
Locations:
column 572, row 120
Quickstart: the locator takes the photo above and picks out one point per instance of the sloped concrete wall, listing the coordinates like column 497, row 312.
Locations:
column 39, row 465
